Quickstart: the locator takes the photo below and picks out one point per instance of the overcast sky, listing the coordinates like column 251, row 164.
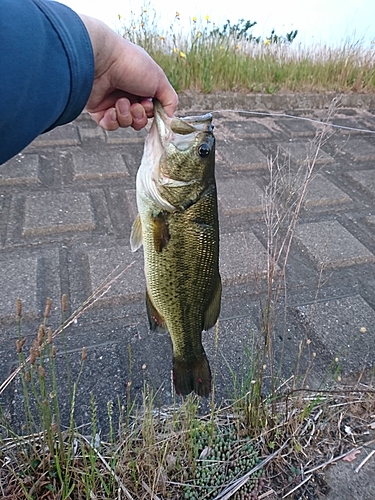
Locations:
column 330, row 22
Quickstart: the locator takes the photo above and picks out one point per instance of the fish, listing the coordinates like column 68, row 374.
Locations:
column 178, row 225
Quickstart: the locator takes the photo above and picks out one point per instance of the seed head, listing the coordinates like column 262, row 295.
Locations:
column 41, row 371
column 20, row 343
column 32, row 356
column 19, row 307
column 84, row 353
column 47, row 310
column 49, row 335
column 41, row 334
column 64, row 302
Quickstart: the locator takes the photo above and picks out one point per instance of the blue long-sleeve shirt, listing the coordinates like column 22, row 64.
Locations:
column 46, row 70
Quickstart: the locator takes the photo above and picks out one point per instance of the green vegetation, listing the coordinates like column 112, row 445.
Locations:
column 211, row 58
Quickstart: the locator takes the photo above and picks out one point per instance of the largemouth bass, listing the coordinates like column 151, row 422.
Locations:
column 178, row 226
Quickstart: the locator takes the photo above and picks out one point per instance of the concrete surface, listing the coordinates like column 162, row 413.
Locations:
column 67, row 203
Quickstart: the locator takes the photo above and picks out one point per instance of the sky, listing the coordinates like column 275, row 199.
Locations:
column 327, row 22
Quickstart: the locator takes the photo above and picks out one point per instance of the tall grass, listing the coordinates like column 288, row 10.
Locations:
column 207, row 58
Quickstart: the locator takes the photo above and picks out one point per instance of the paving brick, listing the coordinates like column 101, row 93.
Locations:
column 301, row 151
column 22, row 169
column 18, row 279
column 243, row 129
column 241, row 155
column 321, row 191
column 242, row 257
column 66, row 135
column 49, row 213
column 331, row 245
column 99, row 166
column 365, row 179
column 346, row 327
column 89, row 131
column 359, row 149
column 125, row 136
column 297, row 127
column 130, row 285
column 239, row 196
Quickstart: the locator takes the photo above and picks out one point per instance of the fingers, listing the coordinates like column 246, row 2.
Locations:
column 124, row 114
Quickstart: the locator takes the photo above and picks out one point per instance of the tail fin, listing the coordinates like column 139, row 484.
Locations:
column 192, row 376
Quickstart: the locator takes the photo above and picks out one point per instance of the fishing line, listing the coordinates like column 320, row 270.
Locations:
column 285, row 115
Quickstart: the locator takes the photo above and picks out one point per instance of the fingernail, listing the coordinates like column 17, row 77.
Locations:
column 123, row 107
column 137, row 114
column 113, row 115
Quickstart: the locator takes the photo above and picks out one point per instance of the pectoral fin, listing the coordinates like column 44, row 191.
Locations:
column 213, row 310
column 155, row 319
column 161, row 231
column 136, row 234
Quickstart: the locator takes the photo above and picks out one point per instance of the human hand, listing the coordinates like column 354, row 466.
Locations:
column 125, row 81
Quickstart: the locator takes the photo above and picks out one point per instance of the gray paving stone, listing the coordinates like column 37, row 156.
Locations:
column 242, row 257
column 48, row 213
column 22, row 169
column 321, row 191
column 239, row 196
column 125, row 136
column 359, row 149
column 88, row 131
column 18, row 279
column 301, row 151
column 365, row 179
column 66, row 135
column 130, row 285
column 241, row 155
column 99, row 166
column 297, row 127
column 346, row 326
column 329, row 244
column 243, row 129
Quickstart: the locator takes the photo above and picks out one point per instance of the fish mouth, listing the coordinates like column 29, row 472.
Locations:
column 181, row 132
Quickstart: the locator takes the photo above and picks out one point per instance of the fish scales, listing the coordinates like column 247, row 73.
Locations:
column 178, row 226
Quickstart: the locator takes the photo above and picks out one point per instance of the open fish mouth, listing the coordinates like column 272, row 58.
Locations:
column 181, row 132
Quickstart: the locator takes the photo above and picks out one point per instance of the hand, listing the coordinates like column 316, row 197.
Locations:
column 125, row 81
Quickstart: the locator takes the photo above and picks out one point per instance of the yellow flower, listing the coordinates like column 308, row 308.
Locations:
column 175, row 50
column 144, row 10
column 119, row 16
column 207, row 18
column 267, row 42
column 182, row 54
column 194, row 19
column 199, row 34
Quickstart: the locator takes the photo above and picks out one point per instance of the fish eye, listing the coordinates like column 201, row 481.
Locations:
column 204, row 150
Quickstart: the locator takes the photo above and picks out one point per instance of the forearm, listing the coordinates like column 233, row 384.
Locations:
column 47, row 70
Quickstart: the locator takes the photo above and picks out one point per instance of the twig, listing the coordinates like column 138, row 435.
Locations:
column 335, row 459
column 364, row 461
column 153, row 496
column 298, row 486
column 108, row 467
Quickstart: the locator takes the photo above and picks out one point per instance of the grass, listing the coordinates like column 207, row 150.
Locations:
column 209, row 58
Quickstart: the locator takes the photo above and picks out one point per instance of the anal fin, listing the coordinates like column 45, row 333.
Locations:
column 213, row 310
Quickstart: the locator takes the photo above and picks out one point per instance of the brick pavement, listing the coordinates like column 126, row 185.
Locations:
column 67, row 205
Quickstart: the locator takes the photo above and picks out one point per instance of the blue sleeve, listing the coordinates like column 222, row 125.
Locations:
column 46, row 70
